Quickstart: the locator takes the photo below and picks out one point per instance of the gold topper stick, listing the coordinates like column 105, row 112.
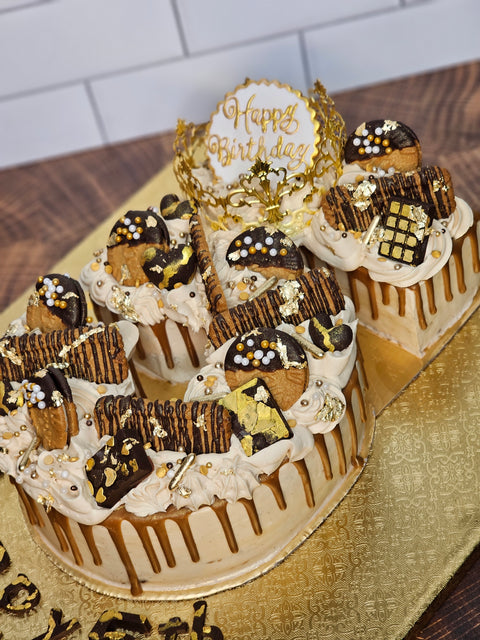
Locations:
column 185, row 464
column 25, row 458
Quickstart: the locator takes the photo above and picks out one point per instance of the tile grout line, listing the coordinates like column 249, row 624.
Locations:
column 181, row 31
column 96, row 112
column 307, row 71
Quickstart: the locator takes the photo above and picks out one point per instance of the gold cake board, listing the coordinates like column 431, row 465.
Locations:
column 380, row 558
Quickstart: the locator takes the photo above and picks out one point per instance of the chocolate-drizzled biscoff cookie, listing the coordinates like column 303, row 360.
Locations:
column 266, row 250
column 384, row 144
column 57, row 303
column 273, row 356
column 131, row 236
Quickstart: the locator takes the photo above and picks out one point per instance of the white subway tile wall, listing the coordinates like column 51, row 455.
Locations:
column 76, row 74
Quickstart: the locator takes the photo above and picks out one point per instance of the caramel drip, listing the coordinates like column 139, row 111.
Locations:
column 220, row 509
column 189, row 344
column 385, row 289
column 161, row 334
column 136, row 378
column 337, row 438
column 361, row 274
column 30, row 505
column 301, row 467
column 354, row 385
column 252, row 513
column 432, row 307
column 419, row 305
column 63, row 531
column 162, row 537
column 87, row 531
column 142, row 533
column 273, row 483
column 401, row 302
column 322, row 450
column 472, row 235
column 140, row 350
column 115, row 530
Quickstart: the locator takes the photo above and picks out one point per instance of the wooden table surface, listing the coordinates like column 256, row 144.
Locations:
column 49, row 207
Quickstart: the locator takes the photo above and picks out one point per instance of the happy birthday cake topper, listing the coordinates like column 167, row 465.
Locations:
column 261, row 120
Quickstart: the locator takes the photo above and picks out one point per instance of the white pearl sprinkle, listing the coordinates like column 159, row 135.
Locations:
column 238, row 359
column 127, row 221
column 376, row 149
column 273, row 252
column 170, row 473
column 136, row 235
column 368, row 149
column 269, row 240
column 245, row 362
column 356, row 142
column 378, row 131
column 64, row 473
column 250, row 342
column 258, row 354
column 265, row 360
column 41, row 405
column 271, row 354
column 258, row 246
column 243, row 253
column 132, row 228
column 50, row 302
column 59, row 289
column 247, row 240
column 365, row 132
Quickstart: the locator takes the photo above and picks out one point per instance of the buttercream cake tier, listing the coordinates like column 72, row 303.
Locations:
column 179, row 553
column 156, row 498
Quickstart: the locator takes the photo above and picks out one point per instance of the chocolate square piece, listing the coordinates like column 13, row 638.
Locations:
column 406, row 227
column 257, row 420
column 119, row 466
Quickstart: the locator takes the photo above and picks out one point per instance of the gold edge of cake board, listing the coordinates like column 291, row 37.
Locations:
column 376, row 562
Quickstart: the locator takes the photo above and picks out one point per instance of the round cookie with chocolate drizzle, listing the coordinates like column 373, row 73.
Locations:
column 327, row 336
column 266, row 250
column 270, row 355
column 385, row 145
column 57, row 303
column 131, row 236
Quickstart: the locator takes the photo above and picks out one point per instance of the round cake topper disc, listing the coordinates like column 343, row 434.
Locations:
column 261, row 120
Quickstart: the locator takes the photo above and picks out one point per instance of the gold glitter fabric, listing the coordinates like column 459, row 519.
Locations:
column 373, row 566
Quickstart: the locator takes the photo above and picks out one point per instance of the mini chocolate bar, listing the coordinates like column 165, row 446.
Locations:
column 119, row 466
column 172, row 209
column 257, row 420
column 328, row 337
column 405, row 226
column 168, row 269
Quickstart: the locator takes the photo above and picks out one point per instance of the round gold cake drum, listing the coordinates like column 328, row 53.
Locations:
column 373, row 566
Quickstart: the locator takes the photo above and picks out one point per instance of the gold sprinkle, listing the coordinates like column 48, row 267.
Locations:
column 291, row 423
column 300, row 329
column 436, row 254
column 161, row 472
column 7, row 435
column 102, row 389
column 94, row 266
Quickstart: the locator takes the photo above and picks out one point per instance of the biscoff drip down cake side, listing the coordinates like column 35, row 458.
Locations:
column 175, row 498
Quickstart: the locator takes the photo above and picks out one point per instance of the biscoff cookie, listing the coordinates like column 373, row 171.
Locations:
column 292, row 302
column 96, row 354
column 131, row 236
column 266, row 250
column 57, row 303
column 195, row 427
column 272, row 356
column 51, row 408
column 385, row 145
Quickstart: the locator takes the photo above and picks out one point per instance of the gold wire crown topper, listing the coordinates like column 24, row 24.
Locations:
column 263, row 185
